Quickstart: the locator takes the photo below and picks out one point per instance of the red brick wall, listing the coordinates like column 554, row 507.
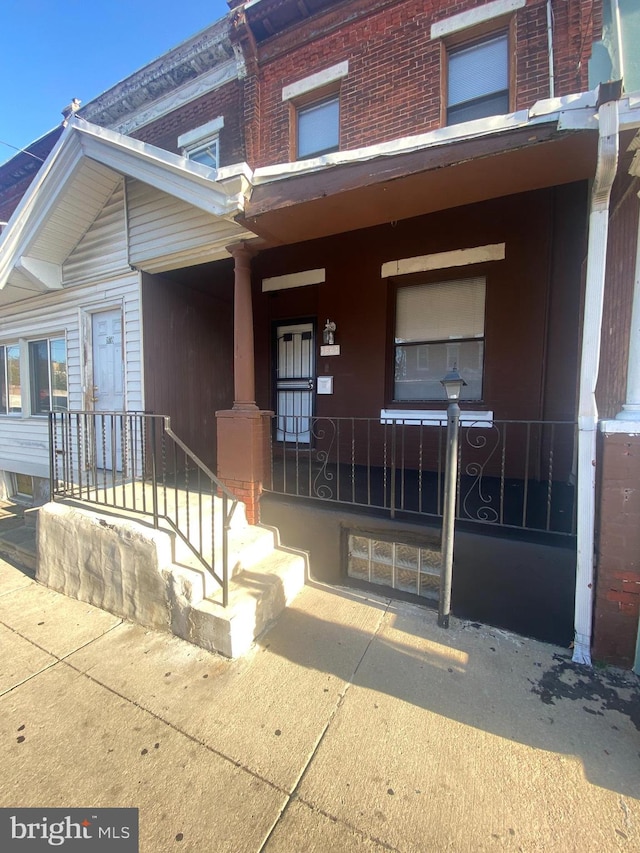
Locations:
column 617, row 603
column 225, row 101
column 393, row 85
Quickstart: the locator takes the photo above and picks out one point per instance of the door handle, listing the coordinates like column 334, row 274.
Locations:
column 310, row 384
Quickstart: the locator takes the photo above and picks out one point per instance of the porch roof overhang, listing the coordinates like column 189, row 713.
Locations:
column 553, row 143
column 73, row 185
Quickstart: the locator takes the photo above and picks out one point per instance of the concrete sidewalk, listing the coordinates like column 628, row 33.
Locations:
column 354, row 724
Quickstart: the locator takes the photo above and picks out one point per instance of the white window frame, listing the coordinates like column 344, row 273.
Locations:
column 202, row 138
column 31, row 373
column 5, row 411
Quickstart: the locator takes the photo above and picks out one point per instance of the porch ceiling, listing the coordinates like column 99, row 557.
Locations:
column 357, row 195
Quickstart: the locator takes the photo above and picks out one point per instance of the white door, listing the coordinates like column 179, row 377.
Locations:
column 294, row 382
column 108, row 386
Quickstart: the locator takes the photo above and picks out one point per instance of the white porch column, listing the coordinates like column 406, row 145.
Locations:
column 631, row 409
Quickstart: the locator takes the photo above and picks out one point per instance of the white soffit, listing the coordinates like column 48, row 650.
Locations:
column 296, row 279
column 444, row 260
column 475, row 17
column 315, row 81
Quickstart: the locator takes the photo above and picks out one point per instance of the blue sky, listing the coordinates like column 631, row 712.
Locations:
column 54, row 50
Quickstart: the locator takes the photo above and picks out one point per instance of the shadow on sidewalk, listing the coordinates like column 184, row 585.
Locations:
column 506, row 685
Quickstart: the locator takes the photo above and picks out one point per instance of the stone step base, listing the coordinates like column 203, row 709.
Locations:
column 19, row 545
column 256, row 598
column 128, row 568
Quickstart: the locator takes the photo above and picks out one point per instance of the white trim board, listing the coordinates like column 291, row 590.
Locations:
column 435, row 417
column 295, row 279
column 444, row 260
column 474, row 17
column 315, row 81
column 200, row 133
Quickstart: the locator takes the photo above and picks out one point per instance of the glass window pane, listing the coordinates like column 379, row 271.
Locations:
column 207, row 155
column 58, row 349
column 13, row 378
column 478, row 70
column 318, row 128
column 493, row 105
column 436, row 312
column 39, row 368
column 414, row 381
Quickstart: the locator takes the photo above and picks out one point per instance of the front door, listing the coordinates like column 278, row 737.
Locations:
column 108, row 386
column 295, row 366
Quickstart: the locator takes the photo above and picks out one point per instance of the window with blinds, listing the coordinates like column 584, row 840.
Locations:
column 438, row 327
column 318, row 128
column 478, row 80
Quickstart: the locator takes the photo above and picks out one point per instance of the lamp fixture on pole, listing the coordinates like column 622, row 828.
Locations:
column 453, row 384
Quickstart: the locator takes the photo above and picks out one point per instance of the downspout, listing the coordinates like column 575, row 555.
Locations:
column 617, row 28
column 552, row 79
column 607, row 163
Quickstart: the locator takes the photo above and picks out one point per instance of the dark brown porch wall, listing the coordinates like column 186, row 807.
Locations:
column 532, row 308
column 188, row 351
column 617, row 603
column 611, row 391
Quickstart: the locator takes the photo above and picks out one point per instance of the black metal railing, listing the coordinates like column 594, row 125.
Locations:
column 135, row 462
column 516, row 474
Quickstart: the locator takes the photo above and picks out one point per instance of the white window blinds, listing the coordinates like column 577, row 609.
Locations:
column 318, row 128
column 451, row 310
column 477, row 71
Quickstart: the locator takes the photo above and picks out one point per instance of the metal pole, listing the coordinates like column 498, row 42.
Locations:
column 449, row 513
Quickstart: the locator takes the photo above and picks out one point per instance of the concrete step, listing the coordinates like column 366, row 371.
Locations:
column 19, row 544
column 128, row 568
column 257, row 596
column 247, row 547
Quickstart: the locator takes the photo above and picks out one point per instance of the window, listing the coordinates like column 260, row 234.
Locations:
column 207, row 153
column 318, row 128
column 478, row 80
column 10, row 387
column 48, row 369
column 202, row 143
column 410, row 568
column 439, row 326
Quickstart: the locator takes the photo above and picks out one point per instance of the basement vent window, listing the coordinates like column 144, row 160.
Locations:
column 408, row 568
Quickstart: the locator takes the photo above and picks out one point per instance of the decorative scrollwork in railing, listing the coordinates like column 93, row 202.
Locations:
column 476, row 502
column 319, row 433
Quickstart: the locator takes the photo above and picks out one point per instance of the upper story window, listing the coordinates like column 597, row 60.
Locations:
column 10, row 385
column 202, row 144
column 48, row 373
column 314, row 105
column 318, row 128
column 438, row 327
column 478, row 79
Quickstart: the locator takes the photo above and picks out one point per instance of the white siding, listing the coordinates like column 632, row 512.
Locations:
column 103, row 249
column 166, row 233
column 24, row 440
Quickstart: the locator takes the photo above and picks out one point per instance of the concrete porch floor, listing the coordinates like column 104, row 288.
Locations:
column 354, row 724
